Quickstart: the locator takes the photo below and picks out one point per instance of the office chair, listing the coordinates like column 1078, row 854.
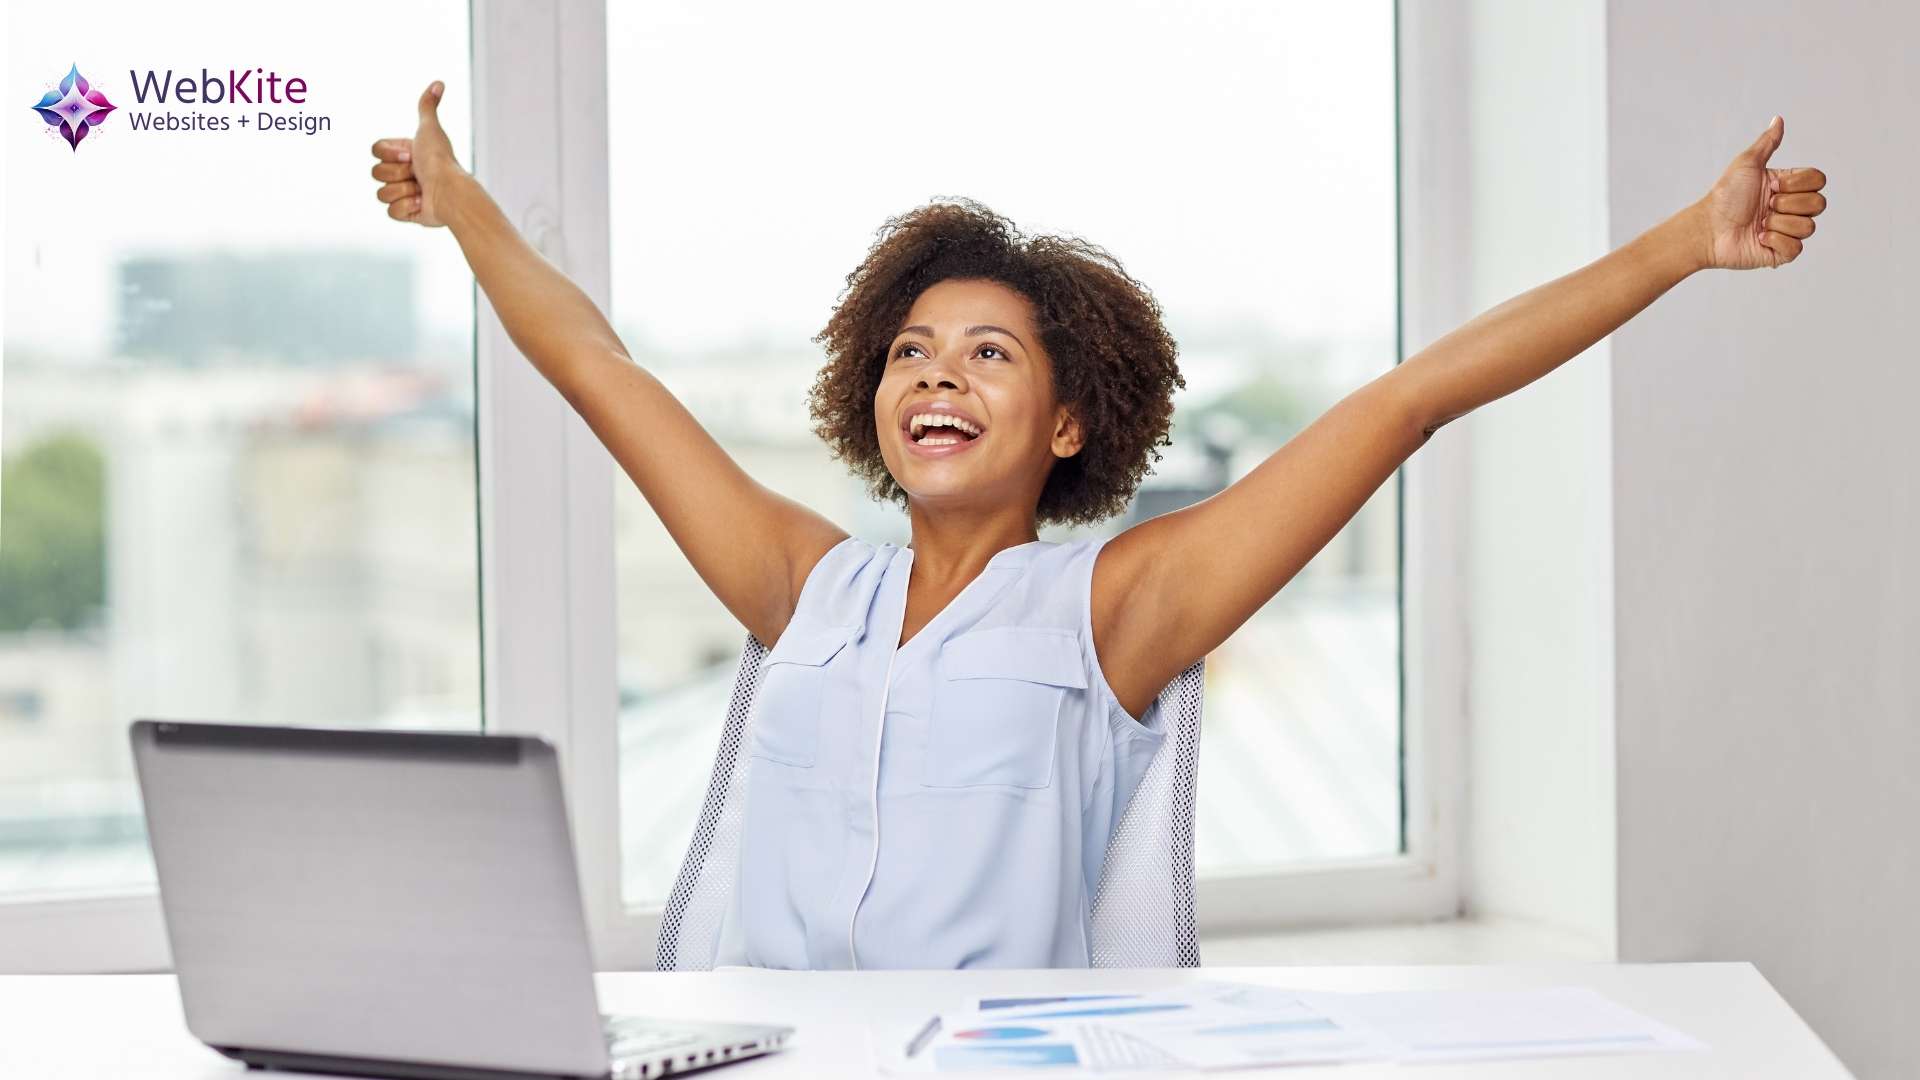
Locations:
column 1143, row 907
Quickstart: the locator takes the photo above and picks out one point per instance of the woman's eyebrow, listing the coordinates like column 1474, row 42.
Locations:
column 972, row 331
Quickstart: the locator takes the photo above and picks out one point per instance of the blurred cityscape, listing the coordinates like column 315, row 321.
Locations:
column 259, row 506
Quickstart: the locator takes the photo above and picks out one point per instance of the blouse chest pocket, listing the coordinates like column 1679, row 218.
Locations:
column 996, row 709
column 794, row 685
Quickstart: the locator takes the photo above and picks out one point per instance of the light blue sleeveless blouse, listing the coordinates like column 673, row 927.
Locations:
column 943, row 805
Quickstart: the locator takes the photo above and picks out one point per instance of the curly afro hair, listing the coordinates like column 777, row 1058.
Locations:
column 1114, row 364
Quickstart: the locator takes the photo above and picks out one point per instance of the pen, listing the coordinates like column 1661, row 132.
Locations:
column 927, row 1032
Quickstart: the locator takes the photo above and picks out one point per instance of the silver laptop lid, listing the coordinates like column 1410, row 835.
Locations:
column 383, row 895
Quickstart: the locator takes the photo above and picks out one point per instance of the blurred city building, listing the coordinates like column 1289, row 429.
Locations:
column 289, row 535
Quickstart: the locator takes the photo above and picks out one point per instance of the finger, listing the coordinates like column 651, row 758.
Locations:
column 403, row 170
column 1807, row 203
column 1769, row 141
column 406, row 209
column 393, row 149
column 408, row 188
column 430, row 102
column 1785, row 248
column 1790, row 224
column 1807, row 179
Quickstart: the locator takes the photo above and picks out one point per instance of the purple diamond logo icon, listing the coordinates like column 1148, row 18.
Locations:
column 77, row 109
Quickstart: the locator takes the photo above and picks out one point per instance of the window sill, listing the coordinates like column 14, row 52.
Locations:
column 1450, row 941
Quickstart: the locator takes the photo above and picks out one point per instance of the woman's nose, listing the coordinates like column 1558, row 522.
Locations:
column 938, row 377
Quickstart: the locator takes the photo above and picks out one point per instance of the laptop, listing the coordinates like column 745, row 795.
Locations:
column 383, row 903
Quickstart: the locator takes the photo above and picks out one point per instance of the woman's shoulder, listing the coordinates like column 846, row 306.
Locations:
column 840, row 586
column 1068, row 565
column 1049, row 581
column 1056, row 555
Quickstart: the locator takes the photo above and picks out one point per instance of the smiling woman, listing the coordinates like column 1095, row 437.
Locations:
column 1063, row 349
column 721, row 271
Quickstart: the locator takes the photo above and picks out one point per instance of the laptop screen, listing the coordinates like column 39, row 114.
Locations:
column 383, row 895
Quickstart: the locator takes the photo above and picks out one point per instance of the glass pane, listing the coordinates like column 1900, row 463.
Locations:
column 1237, row 157
column 236, row 412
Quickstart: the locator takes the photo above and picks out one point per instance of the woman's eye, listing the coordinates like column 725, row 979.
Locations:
column 995, row 349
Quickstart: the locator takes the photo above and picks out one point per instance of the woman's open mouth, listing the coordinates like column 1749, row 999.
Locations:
column 939, row 434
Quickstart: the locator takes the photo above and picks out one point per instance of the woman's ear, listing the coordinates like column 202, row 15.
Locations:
column 1068, row 437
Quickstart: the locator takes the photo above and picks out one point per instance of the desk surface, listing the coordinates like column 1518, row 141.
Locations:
column 129, row 1025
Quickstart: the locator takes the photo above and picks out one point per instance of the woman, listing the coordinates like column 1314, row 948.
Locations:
column 948, row 732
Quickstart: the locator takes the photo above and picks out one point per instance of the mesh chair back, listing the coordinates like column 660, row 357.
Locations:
column 690, row 923
column 1143, row 908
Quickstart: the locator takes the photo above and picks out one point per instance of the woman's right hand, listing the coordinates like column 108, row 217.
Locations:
column 418, row 173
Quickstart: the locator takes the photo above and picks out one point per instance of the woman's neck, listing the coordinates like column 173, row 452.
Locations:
column 956, row 547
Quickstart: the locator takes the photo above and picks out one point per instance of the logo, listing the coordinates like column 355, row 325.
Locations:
column 77, row 109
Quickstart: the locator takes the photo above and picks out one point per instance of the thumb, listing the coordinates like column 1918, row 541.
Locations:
column 430, row 103
column 1767, row 143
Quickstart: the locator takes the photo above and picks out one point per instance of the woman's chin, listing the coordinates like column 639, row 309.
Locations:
column 931, row 489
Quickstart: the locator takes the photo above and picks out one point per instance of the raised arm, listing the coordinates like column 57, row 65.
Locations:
column 1170, row 589
column 751, row 546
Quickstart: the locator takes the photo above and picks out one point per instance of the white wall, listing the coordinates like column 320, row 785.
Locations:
column 1695, row 551
column 1540, row 809
column 1767, row 522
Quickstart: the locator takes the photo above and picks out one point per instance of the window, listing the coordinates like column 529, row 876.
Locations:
column 237, row 429
column 218, row 500
column 1239, row 158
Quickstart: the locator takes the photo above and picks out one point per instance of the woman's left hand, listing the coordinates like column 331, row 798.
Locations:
column 1756, row 216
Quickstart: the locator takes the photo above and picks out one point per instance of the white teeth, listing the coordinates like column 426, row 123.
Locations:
column 921, row 421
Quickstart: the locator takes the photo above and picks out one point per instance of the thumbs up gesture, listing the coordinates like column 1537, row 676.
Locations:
column 416, row 173
column 1757, row 216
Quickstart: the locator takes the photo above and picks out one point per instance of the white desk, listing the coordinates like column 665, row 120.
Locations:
column 129, row 1026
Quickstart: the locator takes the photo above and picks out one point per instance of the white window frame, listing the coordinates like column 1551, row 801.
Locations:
column 553, row 532
column 547, row 571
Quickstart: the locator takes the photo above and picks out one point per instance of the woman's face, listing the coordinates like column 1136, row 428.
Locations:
column 969, row 351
